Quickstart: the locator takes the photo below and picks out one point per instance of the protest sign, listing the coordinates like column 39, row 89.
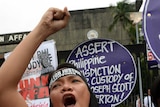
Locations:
column 33, row 85
column 152, row 62
column 108, row 67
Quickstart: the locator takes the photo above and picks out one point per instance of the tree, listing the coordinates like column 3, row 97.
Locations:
column 121, row 14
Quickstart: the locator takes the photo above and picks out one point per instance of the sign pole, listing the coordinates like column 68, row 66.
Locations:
column 139, row 68
column 137, row 17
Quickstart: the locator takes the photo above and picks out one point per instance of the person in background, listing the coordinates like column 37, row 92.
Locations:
column 155, row 92
column 147, row 100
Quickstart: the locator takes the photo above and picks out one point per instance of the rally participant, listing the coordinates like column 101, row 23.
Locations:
column 67, row 86
column 13, row 68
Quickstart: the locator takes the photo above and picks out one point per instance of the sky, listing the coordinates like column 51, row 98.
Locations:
column 23, row 15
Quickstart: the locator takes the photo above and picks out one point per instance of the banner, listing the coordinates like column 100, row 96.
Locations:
column 109, row 68
column 151, row 25
column 32, row 86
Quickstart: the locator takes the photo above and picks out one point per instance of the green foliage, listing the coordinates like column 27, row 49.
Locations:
column 121, row 14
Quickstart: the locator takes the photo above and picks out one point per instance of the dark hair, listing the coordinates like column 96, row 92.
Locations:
column 93, row 99
column 155, row 91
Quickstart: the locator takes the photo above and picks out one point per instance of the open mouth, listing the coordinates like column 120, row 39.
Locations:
column 69, row 100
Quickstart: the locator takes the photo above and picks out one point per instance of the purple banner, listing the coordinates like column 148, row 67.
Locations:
column 151, row 26
column 109, row 68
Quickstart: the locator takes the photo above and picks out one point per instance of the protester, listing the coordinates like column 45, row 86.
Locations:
column 147, row 100
column 67, row 86
column 155, row 92
column 13, row 68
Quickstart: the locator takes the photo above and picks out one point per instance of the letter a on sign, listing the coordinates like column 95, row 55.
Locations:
column 151, row 26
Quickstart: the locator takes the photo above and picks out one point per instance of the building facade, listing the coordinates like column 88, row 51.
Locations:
column 81, row 22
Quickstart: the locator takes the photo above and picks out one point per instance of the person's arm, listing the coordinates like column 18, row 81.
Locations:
column 13, row 68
